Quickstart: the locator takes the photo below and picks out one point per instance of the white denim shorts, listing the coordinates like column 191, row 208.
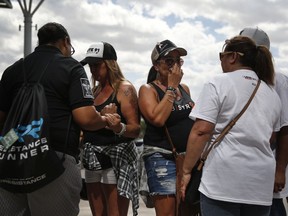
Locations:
column 106, row 176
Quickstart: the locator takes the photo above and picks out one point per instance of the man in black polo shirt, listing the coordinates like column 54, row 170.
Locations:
column 68, row 92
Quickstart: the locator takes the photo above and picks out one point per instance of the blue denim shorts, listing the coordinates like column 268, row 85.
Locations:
column 161, row 174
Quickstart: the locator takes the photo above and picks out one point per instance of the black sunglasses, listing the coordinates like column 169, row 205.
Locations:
column 169, row 61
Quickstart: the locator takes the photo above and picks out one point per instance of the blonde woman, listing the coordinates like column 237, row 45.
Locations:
column 110, row 153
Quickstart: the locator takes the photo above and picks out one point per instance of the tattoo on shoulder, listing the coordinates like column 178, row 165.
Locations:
column 128, row 91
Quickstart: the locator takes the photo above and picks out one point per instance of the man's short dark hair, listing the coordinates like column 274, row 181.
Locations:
column 51, row 32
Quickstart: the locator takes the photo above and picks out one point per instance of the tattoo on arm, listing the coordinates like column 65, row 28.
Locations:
column 129, row 92
column 134, row 103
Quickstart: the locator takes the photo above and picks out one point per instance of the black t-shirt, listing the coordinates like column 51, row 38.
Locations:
column 66, row 86
column 179, row 124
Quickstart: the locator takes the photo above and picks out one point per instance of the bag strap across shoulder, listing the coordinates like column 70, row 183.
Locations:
column 227, row 128
column 223, row 133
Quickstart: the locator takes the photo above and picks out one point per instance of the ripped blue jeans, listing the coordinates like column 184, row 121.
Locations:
column 161, row 174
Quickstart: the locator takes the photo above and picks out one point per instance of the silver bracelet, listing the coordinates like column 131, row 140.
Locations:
column 123, row 129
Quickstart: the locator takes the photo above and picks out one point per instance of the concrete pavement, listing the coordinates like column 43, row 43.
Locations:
column 142, row 211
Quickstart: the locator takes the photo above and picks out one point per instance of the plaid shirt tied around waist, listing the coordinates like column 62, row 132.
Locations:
column 124, row 161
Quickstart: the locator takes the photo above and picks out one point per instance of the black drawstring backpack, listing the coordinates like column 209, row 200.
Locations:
column 27, row 162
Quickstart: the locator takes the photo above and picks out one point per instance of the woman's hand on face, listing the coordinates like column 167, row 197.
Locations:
column 175, row 75
column 110, row 108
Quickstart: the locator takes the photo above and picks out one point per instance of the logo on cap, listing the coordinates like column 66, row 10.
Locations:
column 99, row 51
column 93, row 50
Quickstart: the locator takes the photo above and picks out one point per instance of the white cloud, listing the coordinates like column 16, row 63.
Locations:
column 134, row 27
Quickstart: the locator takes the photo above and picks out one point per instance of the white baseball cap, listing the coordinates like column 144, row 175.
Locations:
column 99, row 51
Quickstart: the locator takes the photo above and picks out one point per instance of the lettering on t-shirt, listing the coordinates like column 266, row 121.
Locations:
column 249, row 78
column 180, row 107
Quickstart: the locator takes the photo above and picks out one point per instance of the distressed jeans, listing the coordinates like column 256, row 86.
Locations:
column 161, row 174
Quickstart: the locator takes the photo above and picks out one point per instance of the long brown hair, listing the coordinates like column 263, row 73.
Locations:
column 115, row 77
column 258, row 58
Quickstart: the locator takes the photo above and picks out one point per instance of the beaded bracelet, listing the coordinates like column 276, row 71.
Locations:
column 123, row 130
column 170, row 88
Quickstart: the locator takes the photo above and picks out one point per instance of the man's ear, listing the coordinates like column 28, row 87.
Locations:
column 65, row 46
column 233, row 58
column 67, row 43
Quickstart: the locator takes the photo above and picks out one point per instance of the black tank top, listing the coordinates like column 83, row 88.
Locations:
column 179, row 124
column 104, row 137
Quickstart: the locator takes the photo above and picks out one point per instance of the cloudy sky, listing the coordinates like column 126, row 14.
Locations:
column 134, row 27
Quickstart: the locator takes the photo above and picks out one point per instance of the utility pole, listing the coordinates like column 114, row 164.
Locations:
column 28, row 14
